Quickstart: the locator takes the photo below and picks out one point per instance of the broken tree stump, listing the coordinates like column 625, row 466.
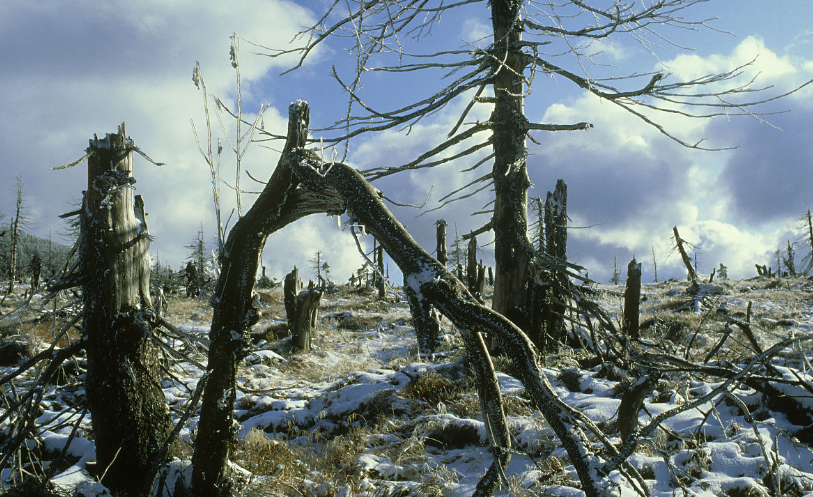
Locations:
column 441, row 253
column 129, row 413
column 632, row 300
column 301, row 310
column 553, row 314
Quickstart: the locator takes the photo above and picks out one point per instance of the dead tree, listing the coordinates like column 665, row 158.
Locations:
column 632, row 299
column 497, row 77
column 129, row 413
column 471, row 265
column 692, row 276
column 301, row 308
column 381, row 283
column 15, row 235
column 280, row 203
column 427, row 280
column 807, row 240
column 553, row 315
column 440, row 252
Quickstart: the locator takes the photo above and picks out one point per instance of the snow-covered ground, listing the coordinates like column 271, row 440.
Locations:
column 364, row 414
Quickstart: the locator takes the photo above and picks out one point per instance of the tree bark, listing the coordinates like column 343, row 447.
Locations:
column 280, row 203
column 426, row 321
column 553, row 312
column 429, row 280
column 381, row 283
column 441, row 252
column 512, row 249
column 632, row 299
column 306, row 307
column 471, row 265
column 129, row 412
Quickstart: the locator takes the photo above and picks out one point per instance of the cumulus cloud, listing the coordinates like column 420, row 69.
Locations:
column 82, row 68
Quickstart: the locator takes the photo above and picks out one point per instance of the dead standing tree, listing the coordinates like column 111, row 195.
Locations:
column 130, row 418
column 385, row 36
column 692, row 274
column 556, row 294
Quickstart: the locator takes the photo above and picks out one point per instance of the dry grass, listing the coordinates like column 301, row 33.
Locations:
column 432, row 388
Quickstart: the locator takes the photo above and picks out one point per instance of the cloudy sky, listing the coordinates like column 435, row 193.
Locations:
column 72, row 69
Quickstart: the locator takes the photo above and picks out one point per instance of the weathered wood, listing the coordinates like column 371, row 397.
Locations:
column 686, row 260
column 632, row 300
column 426, row 321
column 471, row 265
column 513, row 251
column 301, row 308
column 280, row 203
column 381, row 283
column 553, row 314
column 441, row 252
column 291, row 287
column 428, row 279
column 129, row 414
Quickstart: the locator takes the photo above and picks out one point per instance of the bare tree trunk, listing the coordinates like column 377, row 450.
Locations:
column 291, row 286
column 686, row 261
column 129, row 413
column 15, row 236
column 279, row 204
column 512, row 249
column 381, row 283
column 301, row 307
column 471, row 265
column 441, row 252
column 426, row 321
column 632, row 300
column 556, row 241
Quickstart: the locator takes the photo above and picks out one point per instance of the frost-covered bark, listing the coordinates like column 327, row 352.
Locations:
column 130, row 418
column 429, row 280
column 280, row 203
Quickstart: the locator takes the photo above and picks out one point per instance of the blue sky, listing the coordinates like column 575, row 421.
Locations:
column 72, row 69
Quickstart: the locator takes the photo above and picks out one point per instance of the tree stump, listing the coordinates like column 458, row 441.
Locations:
column 632, row 300
column 301, row 309
column 441, row 253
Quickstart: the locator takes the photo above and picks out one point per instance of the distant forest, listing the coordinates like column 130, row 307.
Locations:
column 51, row 254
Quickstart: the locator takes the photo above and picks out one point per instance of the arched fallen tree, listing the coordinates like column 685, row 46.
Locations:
column 304, row 184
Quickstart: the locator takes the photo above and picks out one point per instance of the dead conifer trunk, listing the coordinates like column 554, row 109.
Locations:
column 632, row 299
column 441, row 252
column 301, row 308
column 381, row 282
column 471, row 265
column 683, row 255
column 129, row 413
column 556, row 239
